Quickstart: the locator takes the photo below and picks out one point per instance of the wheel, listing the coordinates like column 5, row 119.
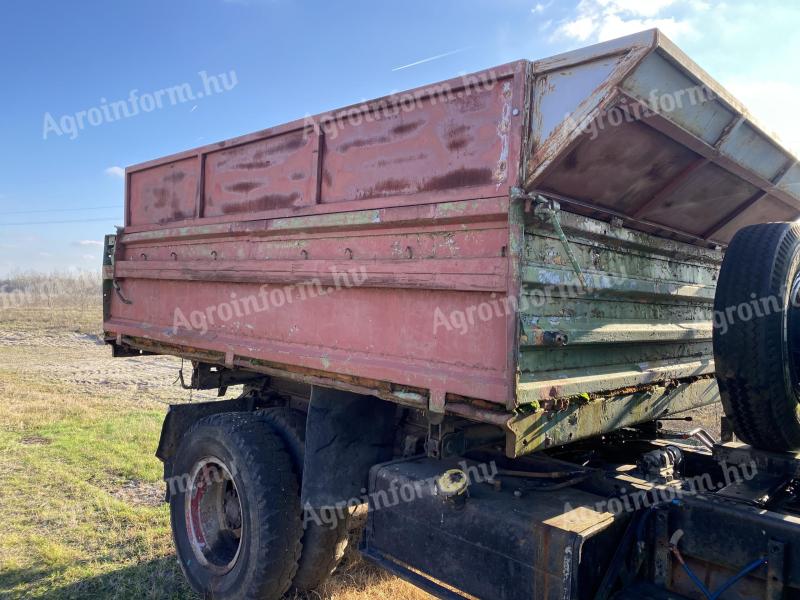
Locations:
column 757, row 335
column 235, row 512
column 323, row 545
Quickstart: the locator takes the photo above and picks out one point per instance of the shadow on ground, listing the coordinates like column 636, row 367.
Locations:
column 158, row 579
column 162, row 580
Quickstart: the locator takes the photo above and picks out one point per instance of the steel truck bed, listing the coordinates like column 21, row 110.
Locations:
column 533, row 246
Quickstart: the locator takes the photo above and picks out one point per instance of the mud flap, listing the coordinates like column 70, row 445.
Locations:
column 346, row 434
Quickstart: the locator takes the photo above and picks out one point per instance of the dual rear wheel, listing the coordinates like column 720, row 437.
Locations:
column 237, row 523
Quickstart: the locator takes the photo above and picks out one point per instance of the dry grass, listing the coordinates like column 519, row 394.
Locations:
column 56, row 290
column 79, row 484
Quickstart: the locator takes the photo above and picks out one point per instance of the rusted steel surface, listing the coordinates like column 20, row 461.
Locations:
column 644, row 315
column 650, row 136
column 381, row 327
column 458, row 139
column 532, row 430
column 239, row 249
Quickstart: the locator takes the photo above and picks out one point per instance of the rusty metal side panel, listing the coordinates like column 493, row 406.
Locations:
column 273, row 173
column 346, row 296
column 644, row 316
column 571, row 91
column 332, row 245
column 457, row 139
column 463, row 142
column 586, row 417
column 164, row 193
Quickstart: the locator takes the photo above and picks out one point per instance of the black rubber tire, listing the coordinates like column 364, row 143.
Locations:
column 323, row 545
column 268, row 487
column 753, row 349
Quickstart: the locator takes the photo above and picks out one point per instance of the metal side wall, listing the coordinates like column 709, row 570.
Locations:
column 644, row 316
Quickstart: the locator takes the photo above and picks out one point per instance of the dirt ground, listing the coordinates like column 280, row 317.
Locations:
column 80, row 488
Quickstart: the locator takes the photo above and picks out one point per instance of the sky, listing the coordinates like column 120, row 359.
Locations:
column 66, row 64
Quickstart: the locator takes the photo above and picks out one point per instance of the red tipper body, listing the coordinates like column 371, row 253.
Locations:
column 380, row 247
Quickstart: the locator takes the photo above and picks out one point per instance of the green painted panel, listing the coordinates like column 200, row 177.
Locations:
column 643, row 317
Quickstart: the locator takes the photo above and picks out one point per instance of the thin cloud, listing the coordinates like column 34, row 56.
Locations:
column 601, row 20
column 89, row 243
column 115, row 172
column 429, row 59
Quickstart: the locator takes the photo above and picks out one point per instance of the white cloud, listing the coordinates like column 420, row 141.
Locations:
column 89, row 257
column 759, row 76
column 540, row 8
column 600, row 20
column 115, row 171
column 89, row 243
column 651, row 8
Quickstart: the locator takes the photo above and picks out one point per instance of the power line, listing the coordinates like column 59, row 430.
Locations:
column 52, row 210
column 106, row 220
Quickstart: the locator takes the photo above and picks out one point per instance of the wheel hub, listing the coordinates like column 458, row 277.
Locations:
column 214, row 515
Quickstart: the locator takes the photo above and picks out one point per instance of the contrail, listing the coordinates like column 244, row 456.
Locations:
column 429, row 59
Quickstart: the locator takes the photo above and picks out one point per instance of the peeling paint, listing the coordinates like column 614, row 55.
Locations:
column 503, row 128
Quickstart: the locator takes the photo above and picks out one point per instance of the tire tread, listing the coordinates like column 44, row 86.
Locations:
column 749, row 356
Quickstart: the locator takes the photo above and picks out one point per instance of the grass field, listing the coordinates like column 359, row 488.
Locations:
column 80, row 488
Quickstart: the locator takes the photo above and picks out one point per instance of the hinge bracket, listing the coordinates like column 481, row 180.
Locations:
column 549, row 211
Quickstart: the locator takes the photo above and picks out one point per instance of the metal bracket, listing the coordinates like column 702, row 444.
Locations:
column 662, row 562
column 436, row 401
column 433, row 442
column 438, row 433
column 457, row 442
column 549, row 211
column 726, row 430
column 776, row 571
column 212, row 377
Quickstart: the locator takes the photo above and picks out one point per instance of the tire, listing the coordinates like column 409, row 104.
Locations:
column 756, row 327
column 235, row 509
column 323, row 545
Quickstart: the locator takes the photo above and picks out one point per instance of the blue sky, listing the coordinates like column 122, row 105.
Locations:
column 285, row 60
